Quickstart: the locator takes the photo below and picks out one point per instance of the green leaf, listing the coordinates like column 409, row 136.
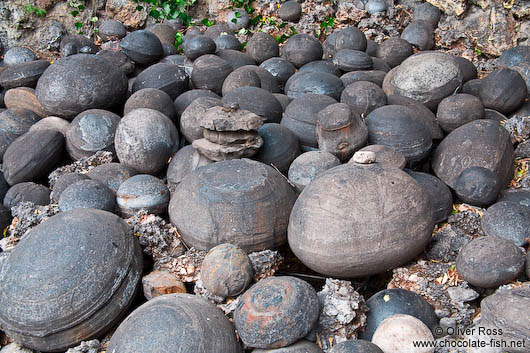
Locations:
column 237, row 14
column 154, row 13
column 80, row 7
column 75, row 13
column 94, row 19
column 234, row 20
column 139, row 8
column 78, row 25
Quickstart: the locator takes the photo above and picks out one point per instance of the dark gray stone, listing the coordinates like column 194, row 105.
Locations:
column 262, row 46
column 394, row 126
column 308, row 166
column 276, row 312
column 477, row 186
column 374, row 76
column 190, row 120
column 91, row 131
column 268, row 81
column 508, row 220
column 427, row 12
column 489, row 262
column 166, row 77
column 142, row 47
column 394, row 51
column 32, row 156
column 320, row 83
column 363, row 97
column 14, row 123
column 24, row 74
column 469, row 70
column 4, row 186
column 209, row 72
column 280, row 68
column 350, row 38
column 186, row 98
column 177, row 322
column 517, row 58
column 142, row 191
column 110, row 29
column 457, row 110
column 118, row 59
column 241, row 77
column 503, row 90
column 301, row 346
column 394, row 301
column 152, row 98
column 28, row 191
column 258, row 101
column 81, row 82
column 352, row 60
column 301, row 49
column 521, row 196
column 472, row 87
column 63, row 182
column 81, row 291
column 237, row 19
column 420, row 34
column 495, row 115
column 112, row 174
column 145, row 139
column 87, row 194
column 235, row 57
column 216, row 30
column 76, row 44
column 320, row 66
column 280, row 146
column 199, row 45
column 439, row 194
column 227, row 41
column 385, row 155
column 290, row 11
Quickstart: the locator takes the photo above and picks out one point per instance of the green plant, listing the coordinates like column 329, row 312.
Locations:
column 245, row 5
column 168, row 9
column 31, row 9
column 78, row 7
column 327, row 23
column 284, row 37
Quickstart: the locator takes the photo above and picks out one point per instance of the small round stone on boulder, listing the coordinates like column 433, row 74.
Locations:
column 457, row 110
column 306, row 167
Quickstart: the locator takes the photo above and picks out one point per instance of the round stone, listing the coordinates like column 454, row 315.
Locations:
column 307, row 167
column 328, row 46
column 480, row 143
column 276, row 312
column 112, row 174
column 439, row 194
column 164, row 32
column 51, row 123
column 420, row 34
column 177, row 322
column 268, row 81
column 508, row 220
column 151, row 98
column 227, row 41
column 363, row 97
column 301, row 117
column 142, row 47
column 427, row 12
column 23, row 75
column 375, row 6
column 96, row 265
column 374, row 76
column 280, row 68
column 185, row 161
column 32, row 155
column 87, row 194
column 280, row 146
column 91, row 131
column 226, row 271
column 24, row 98
column 111, row 30
column 80, row 82
column 216, row 30
column 18, row 55
column 63, row 182
column 301, row 346
column 321, row 83
column 394, row 126
column 258, row 101
column 521, row 196
column 472, row 87
column 192, row 116
column 77, row 44
column 237, row 19
column 355, row 346
column 321, row 66
column 262, row 46
column 489, row 262
column 142, row 191
column 4, row 186
column 290, row 11
column 241, row 77
column 186, row 98
column 401, row 333
column 457, row 110
column 477, row 186
column 389, row 302
column 14, row 123
column 394, row 51
column 385, row 155
column 468, row 69
column 166, row 77
column 358, row 236
column 145, row 139
column 199, row 45
column 350, row 38
column 301, row 49
column 209, row 72
column 427, row 78
column 517, row 58
column 28, row 191
column 242, row 202
column 352, row 60
column 503, row 90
